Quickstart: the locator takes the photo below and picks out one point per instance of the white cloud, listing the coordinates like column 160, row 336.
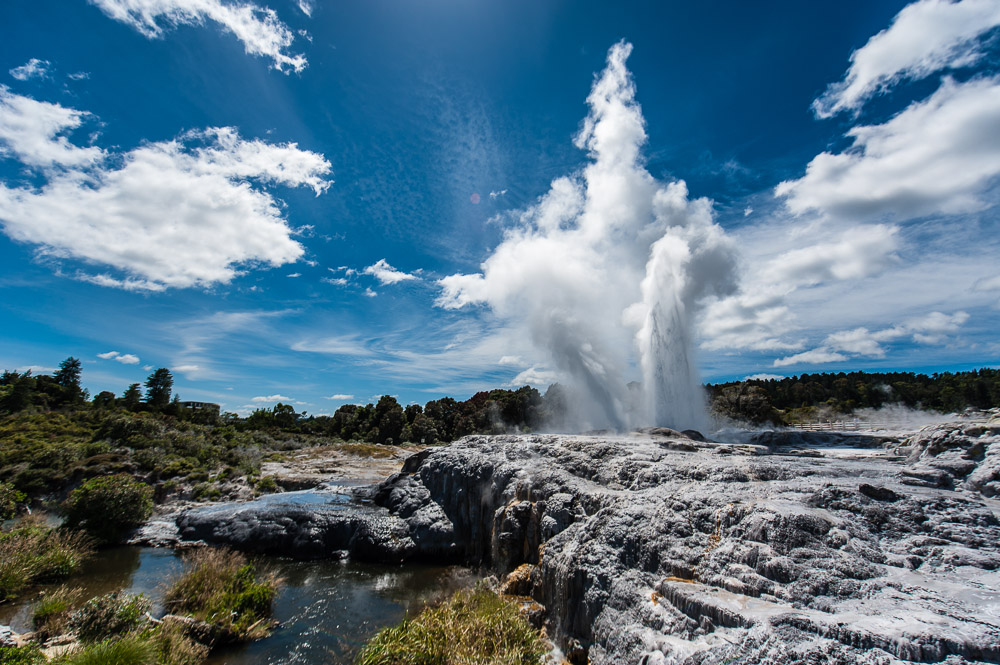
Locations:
column 511, row 360
column 536, row 377
column 336, row 281
column 934, row 157
column 307, row 7
column 814, row 357
column 386, row 274
column 138, row 212
column 925, row 37
column 295, row 274
column 31, row 131
column 79, row 76
column 764, row 377
column 34, row 68
column 259, row 28
column 339, row 397
column 147, row 367
column 369, row 293
column 932, row 328
column 124, row 358
column 187, row 368
column 858, row 252
column 987, row 284
column 497, row 194
column 747, row 211
column 270, row 398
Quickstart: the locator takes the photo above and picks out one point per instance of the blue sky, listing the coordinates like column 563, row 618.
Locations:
column 319, row 202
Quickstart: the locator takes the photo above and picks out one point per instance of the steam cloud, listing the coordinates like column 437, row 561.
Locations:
column 608, row 269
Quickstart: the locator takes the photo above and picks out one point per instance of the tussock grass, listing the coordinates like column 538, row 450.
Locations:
column 473, row 626
column 32, row 552
column 50, row 613
column 125, row 651
column 222, row 588
column 174, row 647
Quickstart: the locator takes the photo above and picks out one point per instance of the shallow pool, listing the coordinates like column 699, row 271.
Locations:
column 326, row 609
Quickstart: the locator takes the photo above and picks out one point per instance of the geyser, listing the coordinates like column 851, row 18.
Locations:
column 607, row 271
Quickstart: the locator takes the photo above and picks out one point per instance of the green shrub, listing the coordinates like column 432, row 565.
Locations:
column 50, row 614
column 26, row 655
column 111, row 615
column 32, row 552
column 125, row 651
column 474, row 626
column 267, row 485
column 205, row 492
column 109, row 507
column 10, row 500
column 222, row 588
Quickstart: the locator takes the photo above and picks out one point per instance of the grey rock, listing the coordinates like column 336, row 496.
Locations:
column 657, row 548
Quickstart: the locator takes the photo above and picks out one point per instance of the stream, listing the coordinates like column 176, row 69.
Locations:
column 327, row 609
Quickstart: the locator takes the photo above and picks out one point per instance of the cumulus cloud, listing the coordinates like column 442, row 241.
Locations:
column 858, row 252
column 34, row 68
column 386, row 274
column 307, row 7
column 932, row 328
column 124, row 358
column 270, row 398
column 936, row 156
column 764, row 377
column 258, row 28
column 607, row 267
column 814, row 357
column 31, row 131
column 925, row 37
column 139, row 212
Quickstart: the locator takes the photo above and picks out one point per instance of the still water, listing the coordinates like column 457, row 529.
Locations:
column 327, row 609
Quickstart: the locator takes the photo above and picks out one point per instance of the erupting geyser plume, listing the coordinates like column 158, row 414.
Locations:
column 607, row 271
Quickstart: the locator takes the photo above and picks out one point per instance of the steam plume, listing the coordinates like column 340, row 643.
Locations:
column 608, row 269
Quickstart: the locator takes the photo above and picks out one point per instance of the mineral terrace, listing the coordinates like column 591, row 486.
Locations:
column 659, row 547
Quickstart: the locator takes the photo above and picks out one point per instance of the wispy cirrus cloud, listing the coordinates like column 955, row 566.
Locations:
column 258, row 28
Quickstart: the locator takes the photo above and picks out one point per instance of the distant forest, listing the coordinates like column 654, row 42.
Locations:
column 811, row 396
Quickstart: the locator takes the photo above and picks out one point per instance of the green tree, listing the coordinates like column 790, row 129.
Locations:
column 68, row 379
column 105, row 399
column 158, row 387
column 132, row 397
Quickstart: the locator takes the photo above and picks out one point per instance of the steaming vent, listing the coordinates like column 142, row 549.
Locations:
column 607, row 271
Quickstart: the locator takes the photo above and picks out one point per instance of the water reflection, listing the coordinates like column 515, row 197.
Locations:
column 327, row 609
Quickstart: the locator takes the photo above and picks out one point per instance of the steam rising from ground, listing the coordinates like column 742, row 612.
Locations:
column 607, row 270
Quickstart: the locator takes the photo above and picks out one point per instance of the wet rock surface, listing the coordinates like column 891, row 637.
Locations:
column 660, row 548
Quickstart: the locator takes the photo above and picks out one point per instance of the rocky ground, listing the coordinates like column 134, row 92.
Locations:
column 659, row 547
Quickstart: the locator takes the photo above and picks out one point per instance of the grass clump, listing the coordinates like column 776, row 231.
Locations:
column 109, row 506
column 112, row 615
column 32, row 552
column 174, row 647
column 131, row 650
column 473, row 626
column 50, row 614
column 222, row 588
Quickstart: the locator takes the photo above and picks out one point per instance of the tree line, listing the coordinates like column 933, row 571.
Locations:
column 795, row 398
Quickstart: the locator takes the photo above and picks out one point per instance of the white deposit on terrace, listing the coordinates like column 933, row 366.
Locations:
column 607, row 270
